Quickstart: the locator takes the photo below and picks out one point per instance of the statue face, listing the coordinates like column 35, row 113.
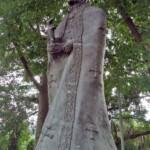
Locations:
column 74, row 2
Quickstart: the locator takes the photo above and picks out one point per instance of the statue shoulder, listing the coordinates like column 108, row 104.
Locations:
column 94, row 17
column 90, row 11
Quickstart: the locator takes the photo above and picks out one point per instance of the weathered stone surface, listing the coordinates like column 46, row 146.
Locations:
column 77, row 117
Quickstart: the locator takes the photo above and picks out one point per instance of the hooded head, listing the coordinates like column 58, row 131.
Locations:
column 74, row 2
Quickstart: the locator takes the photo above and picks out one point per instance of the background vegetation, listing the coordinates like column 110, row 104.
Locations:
column 23, row 65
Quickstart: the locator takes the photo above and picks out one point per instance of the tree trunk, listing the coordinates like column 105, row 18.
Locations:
column 13, row 143
column 13, row 139
column 43, row 106
column 43, row 93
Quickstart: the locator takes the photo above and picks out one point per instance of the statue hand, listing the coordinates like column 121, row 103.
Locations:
column 68, row 46
column 55, row 47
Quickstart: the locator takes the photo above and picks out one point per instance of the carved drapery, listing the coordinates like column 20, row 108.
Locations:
column 72, row 82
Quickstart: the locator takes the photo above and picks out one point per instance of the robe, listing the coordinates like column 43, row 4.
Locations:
column 77, row 117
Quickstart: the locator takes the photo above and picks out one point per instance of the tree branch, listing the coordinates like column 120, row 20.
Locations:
column 130, row 23
column 133, row 136
column 133, row 28
column 26, row 67
column 29, row 73
column 31, row 114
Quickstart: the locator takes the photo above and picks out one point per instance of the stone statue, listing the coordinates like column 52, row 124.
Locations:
column 77, row 117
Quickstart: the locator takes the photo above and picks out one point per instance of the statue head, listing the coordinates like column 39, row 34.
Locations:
column 74, row 2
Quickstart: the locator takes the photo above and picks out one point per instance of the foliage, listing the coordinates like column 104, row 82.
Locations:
column 30, row 145
column 15, row 108
column 25, row 138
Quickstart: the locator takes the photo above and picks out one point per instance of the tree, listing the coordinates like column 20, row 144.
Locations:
column 19, row 21
column 23, row 47
column 15, row 109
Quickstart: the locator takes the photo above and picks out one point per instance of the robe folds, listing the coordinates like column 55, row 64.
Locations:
column 77, row 117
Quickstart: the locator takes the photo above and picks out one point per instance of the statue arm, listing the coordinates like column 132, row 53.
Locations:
column 94, row 33
column 55, row 44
